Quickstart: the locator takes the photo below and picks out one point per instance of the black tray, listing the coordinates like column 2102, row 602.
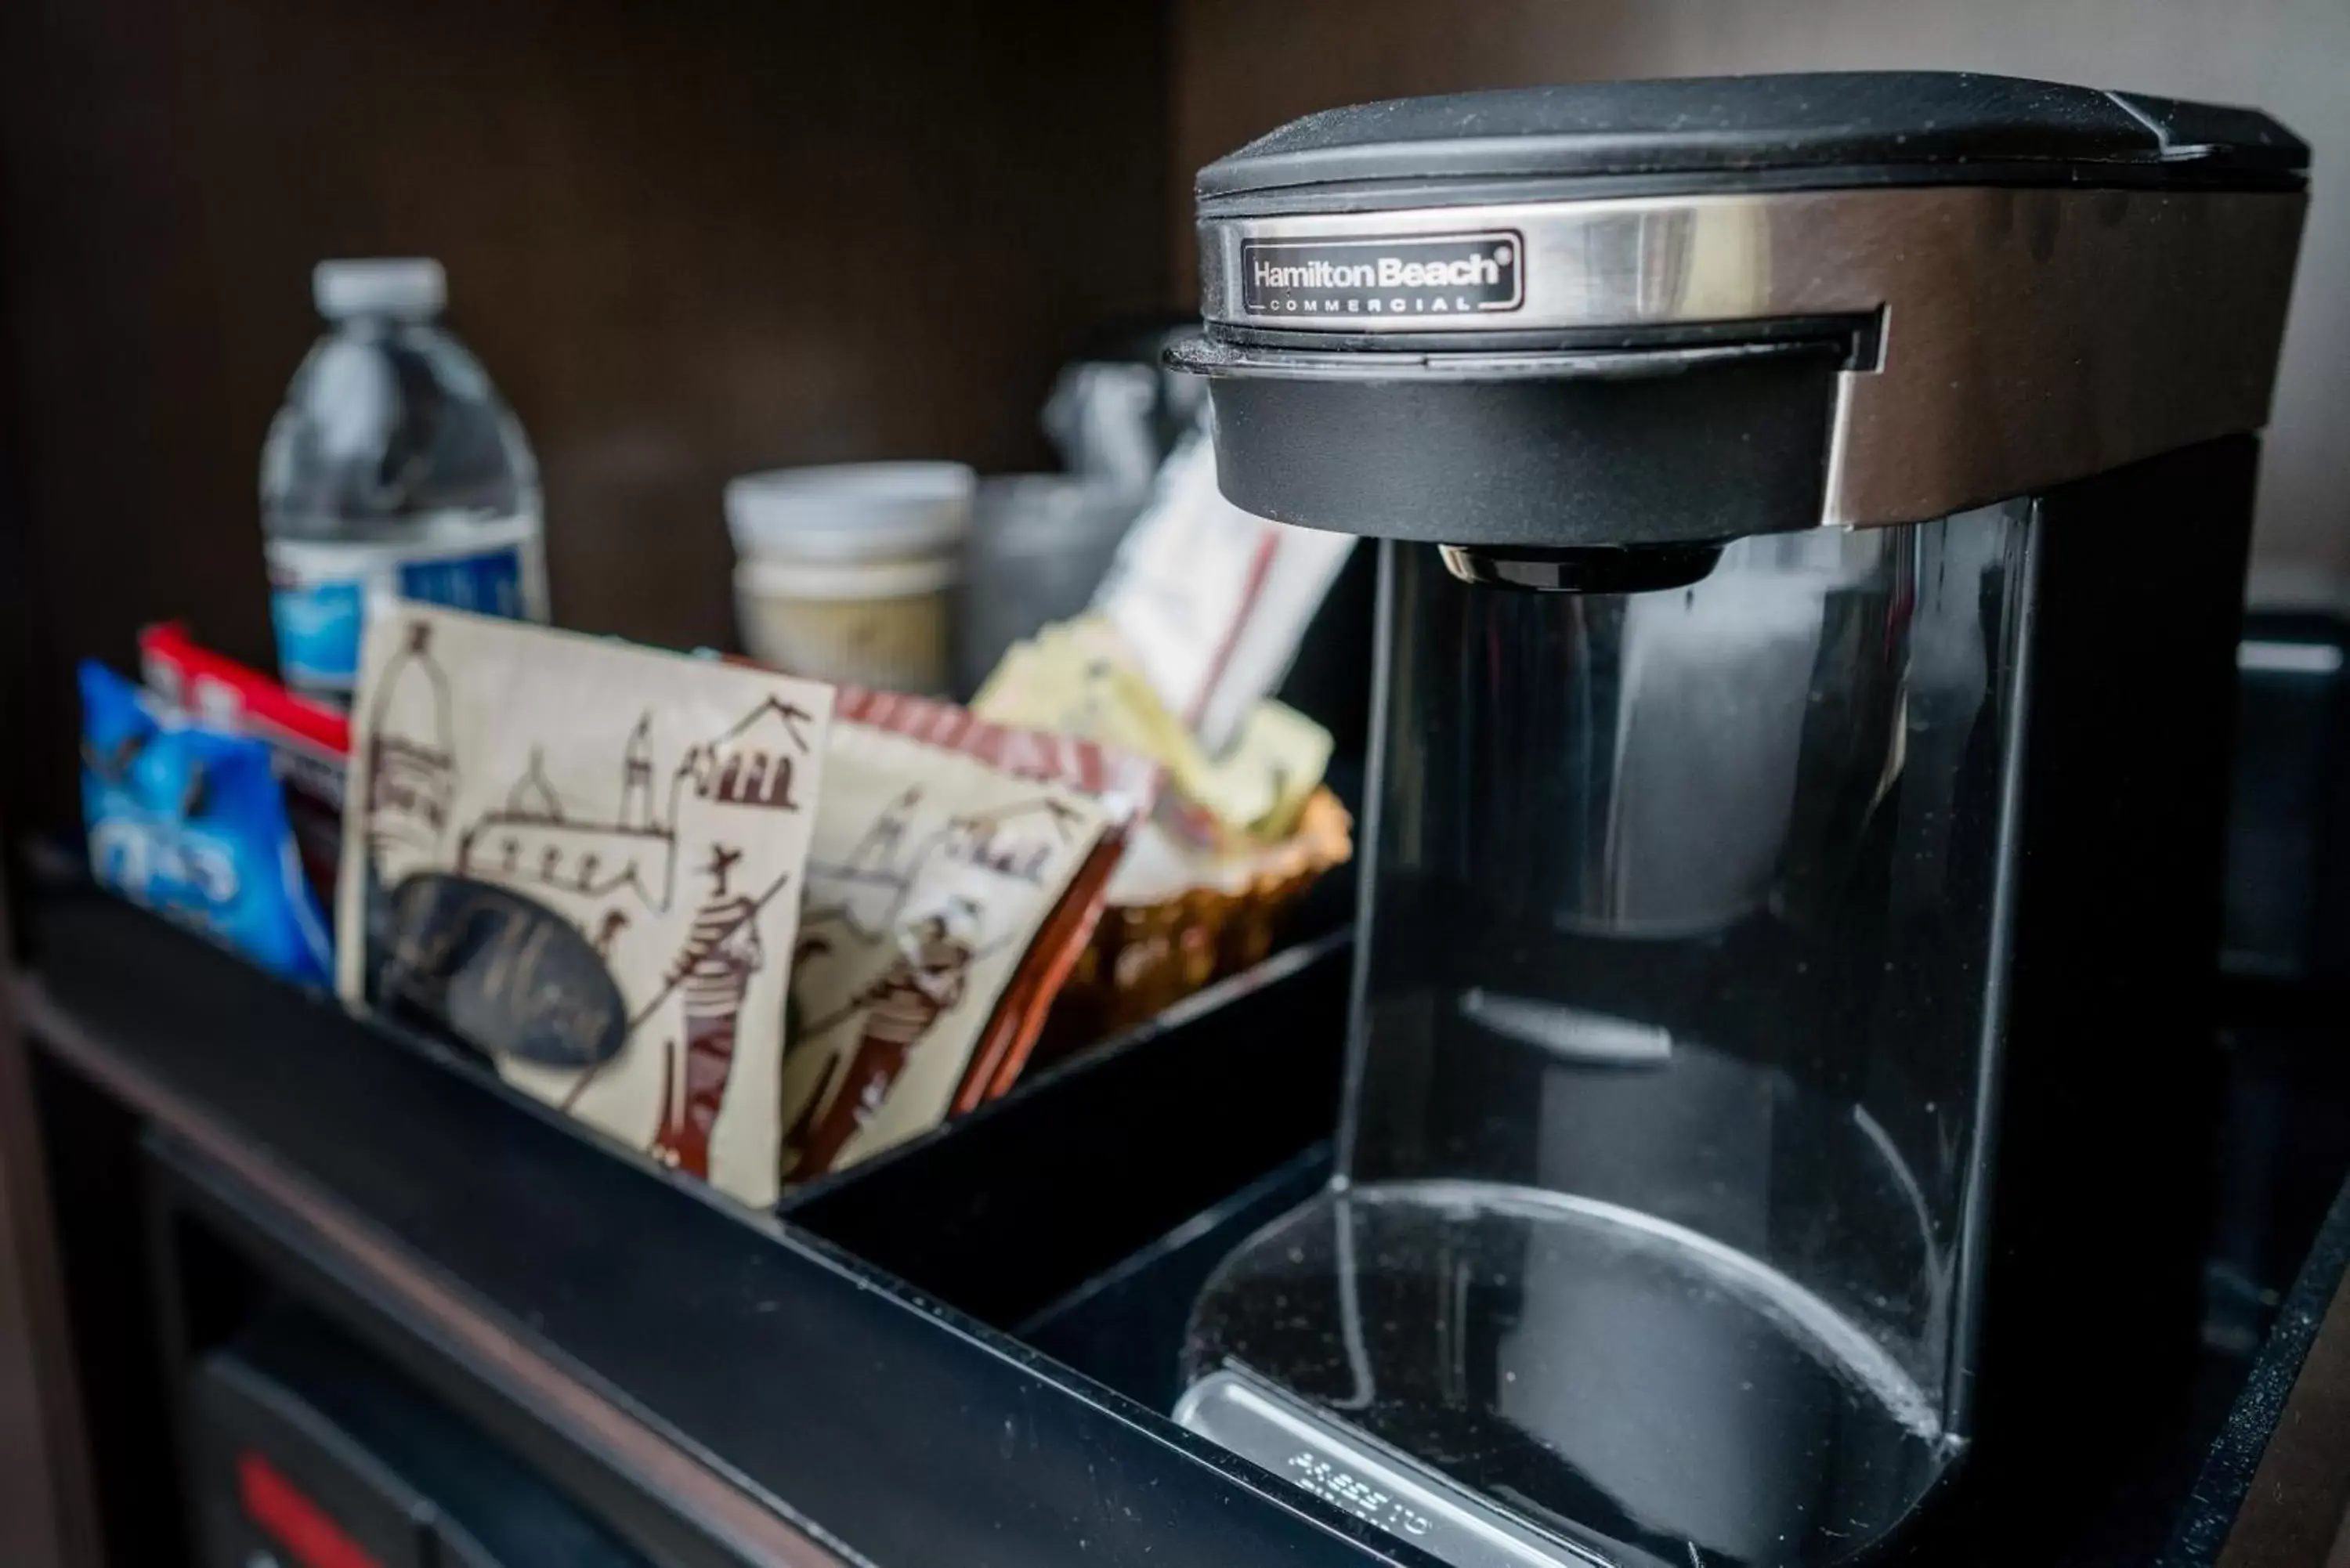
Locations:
column 845, row 1369
column 962, row 1351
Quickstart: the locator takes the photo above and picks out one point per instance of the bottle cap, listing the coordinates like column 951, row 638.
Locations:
column 411, row 288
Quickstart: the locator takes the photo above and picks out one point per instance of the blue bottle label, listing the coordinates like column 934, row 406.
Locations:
column 318, row 625
column 487, row 584
column 320, row 590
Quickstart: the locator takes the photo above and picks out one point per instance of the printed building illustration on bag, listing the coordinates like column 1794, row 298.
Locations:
column 909, row 935
column 653, row 874
column 535, row 844
column 411, row 775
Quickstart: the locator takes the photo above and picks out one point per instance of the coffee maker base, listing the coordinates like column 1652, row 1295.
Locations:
column 1515, row 1376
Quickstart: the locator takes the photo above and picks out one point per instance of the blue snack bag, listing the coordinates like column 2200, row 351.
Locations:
column 190, row 821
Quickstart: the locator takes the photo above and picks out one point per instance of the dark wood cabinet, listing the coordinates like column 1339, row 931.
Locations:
column 690, row 238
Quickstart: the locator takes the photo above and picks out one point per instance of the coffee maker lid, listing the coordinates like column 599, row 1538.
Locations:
column 1687, row 134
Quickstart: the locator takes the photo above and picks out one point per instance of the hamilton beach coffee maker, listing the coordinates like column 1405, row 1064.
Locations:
column 1812, row 515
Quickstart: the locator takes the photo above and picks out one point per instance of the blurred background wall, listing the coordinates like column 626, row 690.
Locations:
column 690, row 238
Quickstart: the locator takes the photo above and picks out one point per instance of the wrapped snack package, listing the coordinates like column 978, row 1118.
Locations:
column 1128, row 783
column 309, row 743
column 1200, row 618
column 1236, row 841
column 585, row 859
column 959, row 871
column 1212, row 602
column 189, row 820
column 1079, row 679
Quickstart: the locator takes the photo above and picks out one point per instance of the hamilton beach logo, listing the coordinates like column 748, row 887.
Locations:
column 1388, row 272
column 1420, row 275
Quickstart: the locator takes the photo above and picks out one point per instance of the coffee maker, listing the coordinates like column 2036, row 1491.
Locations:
column 1812, row 515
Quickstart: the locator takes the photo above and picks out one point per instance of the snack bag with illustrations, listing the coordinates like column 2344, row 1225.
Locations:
column 958, row 871
column 584, row 858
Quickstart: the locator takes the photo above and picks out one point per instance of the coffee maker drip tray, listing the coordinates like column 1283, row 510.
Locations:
column 1514, row 1377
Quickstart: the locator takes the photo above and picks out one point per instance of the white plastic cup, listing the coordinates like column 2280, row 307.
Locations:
column 1039, row 546
column 847, row 573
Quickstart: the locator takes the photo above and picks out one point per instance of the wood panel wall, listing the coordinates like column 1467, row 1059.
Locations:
column 690, row 238
column 47, row 1515
column 1243, row 67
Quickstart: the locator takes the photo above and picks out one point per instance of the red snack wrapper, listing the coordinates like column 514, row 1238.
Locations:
column 310, row 742
column 1126, row 785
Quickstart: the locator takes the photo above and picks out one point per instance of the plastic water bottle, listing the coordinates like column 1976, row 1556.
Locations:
column 394, row 467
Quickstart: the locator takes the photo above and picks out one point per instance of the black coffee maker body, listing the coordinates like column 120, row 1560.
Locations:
column 1812, row 515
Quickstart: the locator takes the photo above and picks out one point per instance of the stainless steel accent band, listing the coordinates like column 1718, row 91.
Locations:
column 2029, row 336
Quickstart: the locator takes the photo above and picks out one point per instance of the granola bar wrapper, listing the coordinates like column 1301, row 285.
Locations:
column 960, row 868
column 585, row 860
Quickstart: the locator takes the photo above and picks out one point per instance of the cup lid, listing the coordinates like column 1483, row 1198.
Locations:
column 851, row 511
column 412, row 288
